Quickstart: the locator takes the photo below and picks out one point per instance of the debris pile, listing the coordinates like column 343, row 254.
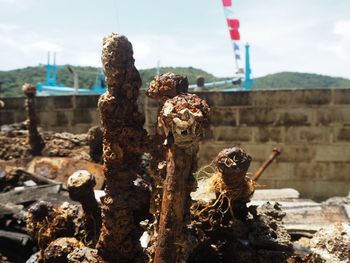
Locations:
column 157, row 206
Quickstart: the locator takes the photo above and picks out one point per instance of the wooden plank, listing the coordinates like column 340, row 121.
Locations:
column 28, row 194
column 310, row 219
column 275, row 194
column 289, row 204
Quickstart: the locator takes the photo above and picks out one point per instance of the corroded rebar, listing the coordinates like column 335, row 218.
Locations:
column 182, row 119
column 94, row 137
column 124, row 141
column 81, row 188
column 274, row 154
column 36, row 142
column 163, row 87
column 231, row 182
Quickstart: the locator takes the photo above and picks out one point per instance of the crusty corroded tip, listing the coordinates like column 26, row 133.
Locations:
column 40, row 210
column 233, row 160
column 28, row 89
column 80, row 184
column 185, row 116
column 2, row 104
column 117, row 54
column 167, row 85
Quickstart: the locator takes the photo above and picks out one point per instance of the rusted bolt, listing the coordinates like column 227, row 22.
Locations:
column 166, row 86
column 81, row 188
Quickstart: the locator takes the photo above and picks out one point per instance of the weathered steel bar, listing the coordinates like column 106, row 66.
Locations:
column 124, row 140
column 163, row 87
column 182, row 119
column 263, row 167
column 36, row 142
column 81, row 188
column 232, row 183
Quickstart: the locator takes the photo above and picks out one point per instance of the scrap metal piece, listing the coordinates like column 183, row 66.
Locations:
column 95, row 137
column 46, row 223
column 81, row 188
column 35, row 140
column 232, row 182
column 163, row 87
column 263, row 167
column 124, row 141
column 60, row 168
column 183, row 119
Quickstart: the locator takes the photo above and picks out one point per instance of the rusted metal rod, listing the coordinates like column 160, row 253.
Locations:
column 163, row 87
column 35, row 140
column 274, row 154
column 232, row 181
column 81, row 189
column 124, row 141
column 183, row 119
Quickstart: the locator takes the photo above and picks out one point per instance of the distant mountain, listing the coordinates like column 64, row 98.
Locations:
column 294, row 80
column 13, row 80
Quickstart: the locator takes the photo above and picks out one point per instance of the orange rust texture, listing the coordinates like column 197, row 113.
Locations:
column 232, row 181
column 81, row 188
column 35, row 140
column 124, row 140
column 163, row 87
column 183, row 119
column 263, row 167
column 46, row 223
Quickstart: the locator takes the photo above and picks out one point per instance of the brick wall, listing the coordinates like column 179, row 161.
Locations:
column 312, row 127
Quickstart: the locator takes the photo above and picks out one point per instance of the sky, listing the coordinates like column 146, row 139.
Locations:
column 285, row 35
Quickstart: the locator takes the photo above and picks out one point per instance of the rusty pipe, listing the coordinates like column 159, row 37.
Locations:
column 269, row 160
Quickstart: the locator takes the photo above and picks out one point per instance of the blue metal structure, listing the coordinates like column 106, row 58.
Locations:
column 234, row 81
column 248, row 81
column 51, row 88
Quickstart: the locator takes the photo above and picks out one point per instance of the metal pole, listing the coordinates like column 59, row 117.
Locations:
column 248, row 83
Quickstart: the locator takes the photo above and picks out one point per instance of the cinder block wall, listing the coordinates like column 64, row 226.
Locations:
column 312, row 127
column 57, row 113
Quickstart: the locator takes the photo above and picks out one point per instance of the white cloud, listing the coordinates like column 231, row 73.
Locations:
column 7, row 28
column 142, row 49
column 46, row 46
column 309, row 36
column 18, row 3
column 339, row 48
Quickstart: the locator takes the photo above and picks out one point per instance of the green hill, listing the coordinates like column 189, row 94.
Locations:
column 13, row 80
column 294, row 80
